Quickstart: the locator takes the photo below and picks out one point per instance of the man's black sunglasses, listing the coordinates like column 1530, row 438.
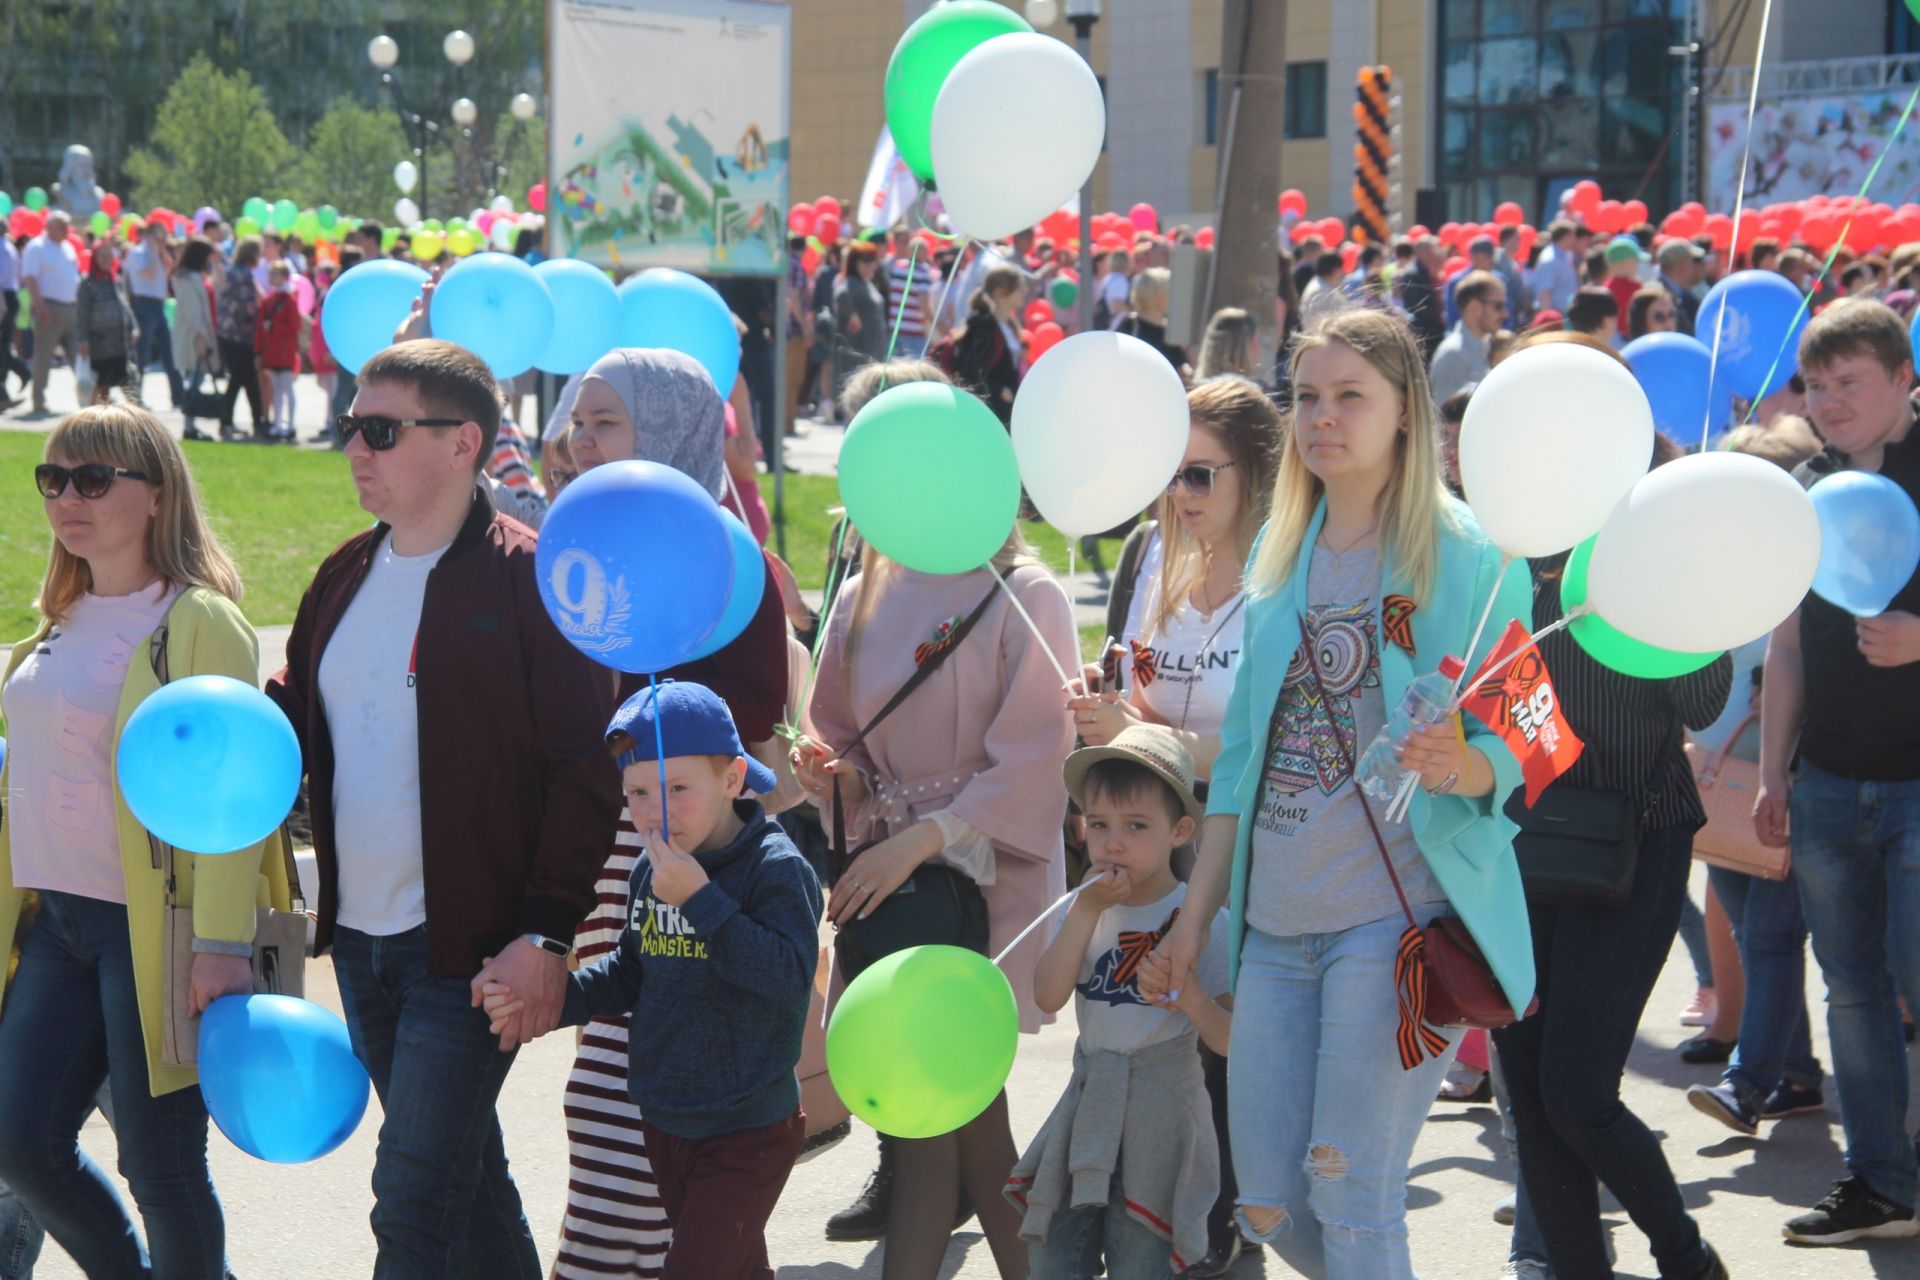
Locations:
column 90, row 479
column 383, row 433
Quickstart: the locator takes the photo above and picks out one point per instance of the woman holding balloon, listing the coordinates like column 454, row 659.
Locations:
column 1365, row 576
column 133, row 557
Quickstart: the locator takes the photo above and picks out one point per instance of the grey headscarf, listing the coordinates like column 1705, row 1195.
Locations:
column 678, row 418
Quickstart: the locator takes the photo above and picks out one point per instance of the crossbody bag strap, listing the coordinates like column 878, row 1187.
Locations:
column 920, row 676
column 1725, row 749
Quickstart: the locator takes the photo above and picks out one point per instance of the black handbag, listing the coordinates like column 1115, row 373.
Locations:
column 1577, row 847
column 196, row 403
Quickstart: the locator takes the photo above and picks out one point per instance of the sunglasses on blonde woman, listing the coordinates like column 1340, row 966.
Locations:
column 89, row 479
column 1197, row 478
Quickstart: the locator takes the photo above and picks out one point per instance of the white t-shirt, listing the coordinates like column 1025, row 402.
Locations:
column 146, row 271
column 1115, row 288
column 1106, row 998
column 1185, row 671
column 53, row 269
column 60, row 705
column 366, row 686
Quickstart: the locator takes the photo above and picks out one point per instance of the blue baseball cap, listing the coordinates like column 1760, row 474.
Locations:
column 693, row 722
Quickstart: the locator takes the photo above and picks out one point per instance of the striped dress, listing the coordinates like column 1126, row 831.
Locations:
column 614, row 1225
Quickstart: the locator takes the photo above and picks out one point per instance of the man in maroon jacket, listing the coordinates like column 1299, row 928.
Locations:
column 462, row 803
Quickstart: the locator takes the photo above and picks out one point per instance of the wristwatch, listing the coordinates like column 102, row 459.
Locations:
column 552, row 946
column 1446, row 786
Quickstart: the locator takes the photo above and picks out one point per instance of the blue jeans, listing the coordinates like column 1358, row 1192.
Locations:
column 156, row 342
column 1525, row 1244
column 1775, row 1034
column 1323, row 1117
column 20, row 1236
column 1856, row 859
column 1693, row 933
column 444, row 1203
column 72, row 1020
column 1077, row 1240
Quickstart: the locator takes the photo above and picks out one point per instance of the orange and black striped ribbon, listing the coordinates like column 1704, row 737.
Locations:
column 1415, row 1039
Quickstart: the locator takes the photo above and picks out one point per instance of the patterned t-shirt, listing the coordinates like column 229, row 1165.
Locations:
column 1316, row 868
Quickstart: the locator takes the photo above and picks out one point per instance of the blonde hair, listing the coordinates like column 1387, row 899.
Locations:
column 181, row 545
column 1151, row 289
column 1413, row 507
column 869, row 380
column 1252, row 431
column 1228, row 344
column 1787, row 441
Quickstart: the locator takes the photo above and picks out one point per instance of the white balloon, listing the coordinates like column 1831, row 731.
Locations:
column 405, row 174
column 1017, row 129
column 1708, row 552
column 502, row 204
column 405, row 211
column 1553, row 439
column 1099, row 427
column 504, row 234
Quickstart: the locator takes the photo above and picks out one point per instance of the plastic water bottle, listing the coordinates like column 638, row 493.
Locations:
column 1428, row 700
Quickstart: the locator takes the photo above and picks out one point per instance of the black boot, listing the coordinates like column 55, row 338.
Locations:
column 866, row 1217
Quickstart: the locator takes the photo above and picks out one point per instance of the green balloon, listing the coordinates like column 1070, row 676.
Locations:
column 246, row 226
column 100, row 224
column 923, row 1040
column 433, row 224
column 456, row 224
column 328, row 215
column 255, row 208
column 6, row 204
column 929, row 478
column 307, row 225
column 285, row 214
column 1063, row 292
column 921, row 62
column 389, row 237
column 36, row 198
column 1606, row 643
column 170, row 306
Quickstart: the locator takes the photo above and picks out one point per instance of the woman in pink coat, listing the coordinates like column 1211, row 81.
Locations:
column 961, row 789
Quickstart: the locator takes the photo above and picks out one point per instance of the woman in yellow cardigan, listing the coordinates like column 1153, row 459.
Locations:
column 80, row 892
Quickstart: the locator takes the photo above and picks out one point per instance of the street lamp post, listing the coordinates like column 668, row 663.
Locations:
column 383, row 51
column 1083, row 14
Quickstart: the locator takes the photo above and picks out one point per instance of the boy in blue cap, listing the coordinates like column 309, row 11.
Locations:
column 716, row 966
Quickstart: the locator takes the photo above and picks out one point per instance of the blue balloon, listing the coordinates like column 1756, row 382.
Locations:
column 364, row 307
column 635, row 566
column 208, row 764
column 1760, row 337
column 1869, row 541
column 587, row 315
column 1672, row 369
column 671, row 309
column 3, row 753
column 749, row 586
column 279, row 1077
column 497, row 307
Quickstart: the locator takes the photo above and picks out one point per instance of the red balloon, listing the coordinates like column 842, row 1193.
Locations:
column 1144, row 217
column 1418, row 232
column 1349, row 255
column 1203, row 238
column 1044, row 338
column 1454, row 266
column 1528, row 237
column 825, row 205
column 1038, row 312
column 1293, row 201
column 1109, row 243
column 800, row 220
column 1332, row 230
column 1449, row 232
column 810, row 261
column 110, row 205
column 1720, row 228
column 1509, row 214
column 1584, row 200
column 1608, row 218
column 827, row 227
column 537, row 197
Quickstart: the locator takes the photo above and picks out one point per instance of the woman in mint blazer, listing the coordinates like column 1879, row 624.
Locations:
column 1368, row 570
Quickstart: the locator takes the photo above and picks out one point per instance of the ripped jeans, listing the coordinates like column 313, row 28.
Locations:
column 1322, row 1115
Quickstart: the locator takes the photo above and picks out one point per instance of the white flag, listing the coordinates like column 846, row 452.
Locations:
column 891, row 188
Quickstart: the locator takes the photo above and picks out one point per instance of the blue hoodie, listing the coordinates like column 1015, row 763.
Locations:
column 718, row 987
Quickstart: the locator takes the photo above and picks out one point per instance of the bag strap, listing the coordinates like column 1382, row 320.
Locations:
column 1346, row 757
column 1719, row 757
column 1126, row 576
column 919, row 677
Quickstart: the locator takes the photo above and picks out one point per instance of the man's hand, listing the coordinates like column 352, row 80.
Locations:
column 677, row 876
column 502, row 1005
column 540, row 979
column 216, row 976
column 1890, row 640
column 1770, row 812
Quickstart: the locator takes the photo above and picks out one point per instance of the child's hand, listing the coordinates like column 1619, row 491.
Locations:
column 677, row 876
column 1156, row 982
column 502, row 1005
column 1107, row 888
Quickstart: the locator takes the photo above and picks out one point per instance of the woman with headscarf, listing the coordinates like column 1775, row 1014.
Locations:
column 655, row 406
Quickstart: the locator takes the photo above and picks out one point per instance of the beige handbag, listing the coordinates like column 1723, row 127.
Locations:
column 1728, row 786
column 281, row 939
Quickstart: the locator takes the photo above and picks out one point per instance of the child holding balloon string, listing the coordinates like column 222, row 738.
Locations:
column 1127, row 1165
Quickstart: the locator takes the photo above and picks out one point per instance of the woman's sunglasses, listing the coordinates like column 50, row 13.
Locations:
column 383, row 433
column 1197, row 478
column 89, row 479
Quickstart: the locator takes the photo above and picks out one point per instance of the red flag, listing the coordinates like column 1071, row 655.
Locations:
column 1518, row 702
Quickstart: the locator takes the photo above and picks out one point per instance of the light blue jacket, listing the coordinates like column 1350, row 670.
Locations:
column 1468, row 843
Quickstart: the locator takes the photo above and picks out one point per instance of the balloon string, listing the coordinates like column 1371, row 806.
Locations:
column 906, row 296
column 1073, row 593
column 1739, row 198
column 1032, row 626
column 959, row 260
column 791, row 730
column 660, row 751
column 1040, row 919
column 1806, row 298
column 1473, row 645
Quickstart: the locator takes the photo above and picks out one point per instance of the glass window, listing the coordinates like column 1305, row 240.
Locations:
column 1569, row 66
column 1507, row 71
column 1457, row 73
column 1634, row 61
column 1506, row 17
column 1570, row 135
column 1560, row 15
column 1506, row 140
column 1306, row 100
column 1210, row 94
column 1645, row 10
column 1456, row 142
column 1456, row 18
column 1630, row 131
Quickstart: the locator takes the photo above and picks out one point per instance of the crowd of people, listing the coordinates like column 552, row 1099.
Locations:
column 511, row 839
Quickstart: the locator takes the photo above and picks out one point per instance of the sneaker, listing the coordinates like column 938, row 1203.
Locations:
column 1701, row 1009
column 1723, row 1103
column 1790, row 1099
column 1218, row 1262
column 866, row 1217
column 1527, row 1269
column 1852, row 1211
column 1505, row 1210
column 1704, row 1050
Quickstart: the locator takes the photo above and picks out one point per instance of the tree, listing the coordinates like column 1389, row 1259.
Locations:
column 214, row 141
column 349, row 159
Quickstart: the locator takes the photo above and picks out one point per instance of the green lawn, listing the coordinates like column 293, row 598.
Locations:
column 281, row 510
